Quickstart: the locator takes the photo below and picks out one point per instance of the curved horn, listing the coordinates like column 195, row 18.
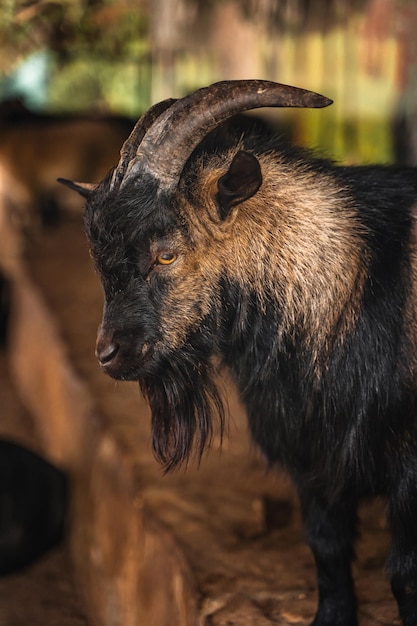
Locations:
column 130, row 146
column 171, row 139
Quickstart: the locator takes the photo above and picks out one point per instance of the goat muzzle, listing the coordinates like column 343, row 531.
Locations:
column 106, row 350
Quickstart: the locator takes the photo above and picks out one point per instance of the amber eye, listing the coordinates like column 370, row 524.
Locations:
column 166, row 258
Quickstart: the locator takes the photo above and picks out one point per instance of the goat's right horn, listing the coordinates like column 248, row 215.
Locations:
column 171, row 139
column 130, row 146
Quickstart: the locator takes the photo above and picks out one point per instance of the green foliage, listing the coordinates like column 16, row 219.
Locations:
column 111, row 86
column 98, row 48
column 70, row 28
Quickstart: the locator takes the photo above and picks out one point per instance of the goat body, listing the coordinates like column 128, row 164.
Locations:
column 299, row 277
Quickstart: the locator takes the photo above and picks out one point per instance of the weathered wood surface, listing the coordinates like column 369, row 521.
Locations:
column 43, row 593
column 218, row 544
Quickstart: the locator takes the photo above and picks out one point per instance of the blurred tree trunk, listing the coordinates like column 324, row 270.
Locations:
column 166, row 18
column 235, row 42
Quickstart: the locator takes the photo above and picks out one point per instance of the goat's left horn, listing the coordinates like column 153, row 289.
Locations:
column 171, row 139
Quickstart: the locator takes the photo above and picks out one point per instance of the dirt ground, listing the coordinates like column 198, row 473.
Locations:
column 42, row 595
column 237, row 524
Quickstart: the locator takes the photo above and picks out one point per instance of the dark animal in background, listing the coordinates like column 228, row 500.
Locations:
column 33, row 505
column 299, row 277
column 4, row 309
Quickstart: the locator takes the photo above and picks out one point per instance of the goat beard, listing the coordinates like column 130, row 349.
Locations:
column 185, row 403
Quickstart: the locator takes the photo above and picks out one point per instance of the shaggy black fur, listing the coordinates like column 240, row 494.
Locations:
column 344, row 433
column 180, row 419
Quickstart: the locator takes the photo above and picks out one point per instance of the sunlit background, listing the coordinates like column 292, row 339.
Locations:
column 120, row 56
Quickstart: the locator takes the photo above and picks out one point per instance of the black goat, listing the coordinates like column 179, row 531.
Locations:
column 298, row 276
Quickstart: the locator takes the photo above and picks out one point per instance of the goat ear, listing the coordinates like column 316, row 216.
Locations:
column 84, row 189
column 241, row 181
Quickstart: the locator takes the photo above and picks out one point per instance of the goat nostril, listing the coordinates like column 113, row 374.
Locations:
column 106, row 351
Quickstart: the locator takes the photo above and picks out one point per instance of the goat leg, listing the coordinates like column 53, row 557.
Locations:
column 330, row 529
column 402, row 562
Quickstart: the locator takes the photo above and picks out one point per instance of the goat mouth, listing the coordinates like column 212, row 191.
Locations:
column 129, row 367
column 121, row 373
